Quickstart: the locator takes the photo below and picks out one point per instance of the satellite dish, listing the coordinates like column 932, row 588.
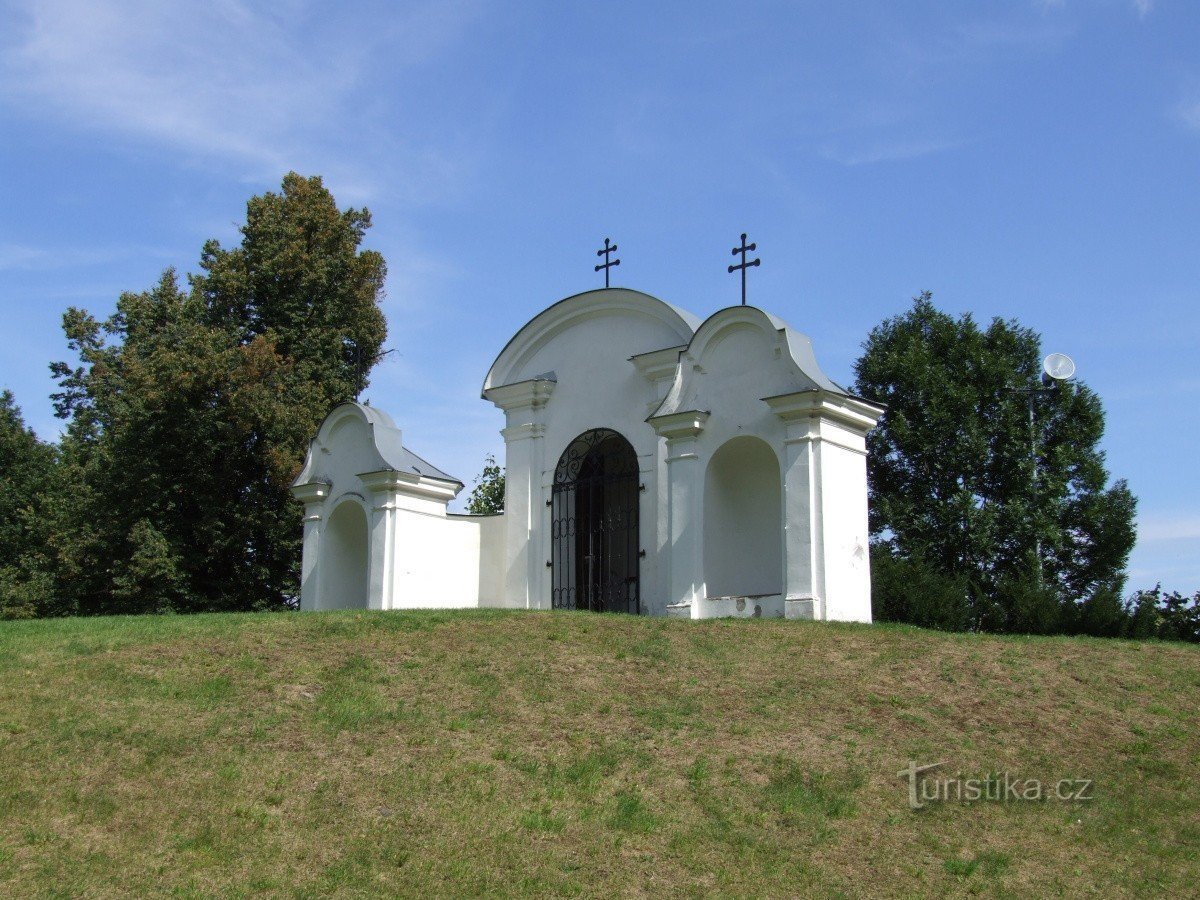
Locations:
column 1059, row 366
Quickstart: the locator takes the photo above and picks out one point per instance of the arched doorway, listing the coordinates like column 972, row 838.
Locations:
column 743, row 520
column 344, row 558
column 594, row 525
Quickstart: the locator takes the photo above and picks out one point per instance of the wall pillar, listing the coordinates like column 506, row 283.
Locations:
column 826, row 563
column 685, row 511
column 803, row 531
column 313, row 497
column 382, row 543
column 526, row 578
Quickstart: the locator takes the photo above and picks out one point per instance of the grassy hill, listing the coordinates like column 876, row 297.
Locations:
column 497, row 753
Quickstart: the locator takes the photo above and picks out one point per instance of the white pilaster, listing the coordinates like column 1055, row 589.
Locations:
column 826, row 563
column 313, row 497
column 685, row 511
column 392, row 494
column 527, row 580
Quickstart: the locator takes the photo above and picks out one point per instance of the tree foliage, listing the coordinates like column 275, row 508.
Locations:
column 190, row 411
column 27, row 474
column 487, row 496
column 960, row 484
column 1168, row 615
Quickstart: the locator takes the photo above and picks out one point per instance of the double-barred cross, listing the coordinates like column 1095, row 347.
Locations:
column 608, row 248
column 744, row 265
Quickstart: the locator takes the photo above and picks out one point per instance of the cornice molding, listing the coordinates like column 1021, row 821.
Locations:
column 688, row 423
column 657, row 364
column 412, row 485
column 853, row 413
column 533, row 393
column 312, row 492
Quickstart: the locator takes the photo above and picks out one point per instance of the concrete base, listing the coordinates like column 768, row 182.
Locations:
column 679, row 610
column 801, row 608
column 754, row 606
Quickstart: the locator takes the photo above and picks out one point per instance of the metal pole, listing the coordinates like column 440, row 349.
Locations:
column 1037, row 535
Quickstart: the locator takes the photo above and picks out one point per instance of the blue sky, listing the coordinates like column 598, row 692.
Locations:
column 1028, row 159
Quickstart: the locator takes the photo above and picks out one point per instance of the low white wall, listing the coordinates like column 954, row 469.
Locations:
column 491, row 560
column 437, row 561
column 448, row 562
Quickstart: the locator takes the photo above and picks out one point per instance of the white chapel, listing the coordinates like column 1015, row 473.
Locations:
column 655, row 464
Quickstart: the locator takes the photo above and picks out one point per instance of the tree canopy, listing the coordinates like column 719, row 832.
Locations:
column 190, row 411
column 961, row 484
column 27, row 474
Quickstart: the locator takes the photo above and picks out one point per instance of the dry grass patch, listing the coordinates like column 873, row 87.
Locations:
column 351, row 754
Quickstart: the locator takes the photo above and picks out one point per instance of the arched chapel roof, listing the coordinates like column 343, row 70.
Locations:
column 799, row 345
column 387, row 446
column 605, row 301
column 804, row 373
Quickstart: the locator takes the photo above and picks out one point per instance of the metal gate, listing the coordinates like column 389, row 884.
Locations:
column 594, row 525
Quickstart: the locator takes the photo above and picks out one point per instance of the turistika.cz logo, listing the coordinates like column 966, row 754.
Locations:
column 998, row 787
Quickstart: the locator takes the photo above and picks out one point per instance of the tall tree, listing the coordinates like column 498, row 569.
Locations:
column 191, row 411
column 299, row 280
column 26, row 475
column 960, row 481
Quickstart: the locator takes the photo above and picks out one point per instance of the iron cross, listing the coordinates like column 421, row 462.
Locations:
column 743, row 265
column 608, row 248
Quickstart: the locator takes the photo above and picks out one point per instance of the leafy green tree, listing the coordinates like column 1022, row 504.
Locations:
column 1168, row 615
column 27, row 471
column 191, row 412
column 487, row 496
column 959, row 480
column 299, row 280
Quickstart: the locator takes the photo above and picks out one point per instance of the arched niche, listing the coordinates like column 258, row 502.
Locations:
column 344, row 558
column 743, row 520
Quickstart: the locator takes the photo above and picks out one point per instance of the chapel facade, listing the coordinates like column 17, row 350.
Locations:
column 655, row 464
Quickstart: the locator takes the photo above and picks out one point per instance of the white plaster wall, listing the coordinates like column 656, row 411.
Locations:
column 491, row 557
column 437, row 561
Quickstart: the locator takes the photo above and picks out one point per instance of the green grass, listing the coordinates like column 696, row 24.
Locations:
column 443, row 754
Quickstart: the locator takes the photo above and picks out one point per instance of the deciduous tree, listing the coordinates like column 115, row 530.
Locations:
column 26, row 475
column 960, row 482
column 191, row 411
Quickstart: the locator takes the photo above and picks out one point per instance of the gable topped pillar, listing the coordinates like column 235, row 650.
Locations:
column 827, row 573
column 526, row 584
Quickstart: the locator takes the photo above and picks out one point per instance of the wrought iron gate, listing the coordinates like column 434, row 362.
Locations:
column 594, row 525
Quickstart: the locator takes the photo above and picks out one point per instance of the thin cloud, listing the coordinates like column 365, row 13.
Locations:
column 266, row 89
column 889, row 151
column 1143, row 8
column 1169, row 527
column 1188, row 113
column 26, row 257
